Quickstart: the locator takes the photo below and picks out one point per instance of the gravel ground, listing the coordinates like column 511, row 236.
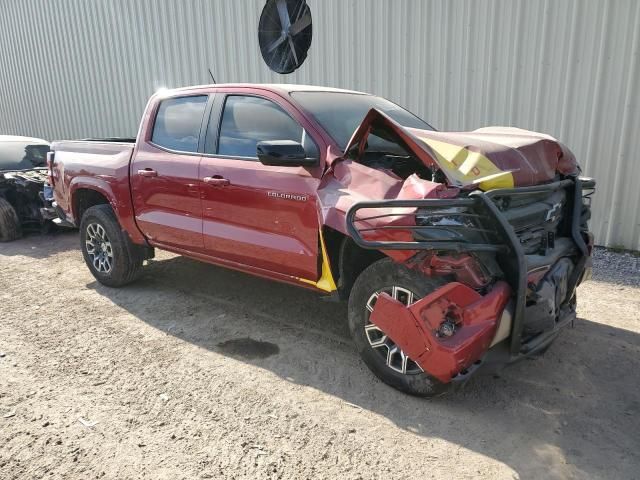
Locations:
column 200, row 372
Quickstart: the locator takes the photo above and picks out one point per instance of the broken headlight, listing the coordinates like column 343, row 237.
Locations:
column 458, row 224
column 443, row 217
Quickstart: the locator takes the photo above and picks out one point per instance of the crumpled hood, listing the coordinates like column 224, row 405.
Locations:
column 486, row 158
column 498, row 157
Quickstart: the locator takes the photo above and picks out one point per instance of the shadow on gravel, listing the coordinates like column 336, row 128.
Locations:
column 42, row 245
column 576, row 405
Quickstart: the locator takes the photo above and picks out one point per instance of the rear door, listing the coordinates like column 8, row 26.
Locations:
column 164, row 175
column 257, row 215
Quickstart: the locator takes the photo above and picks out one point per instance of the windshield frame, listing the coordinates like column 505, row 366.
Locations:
column 303, row 106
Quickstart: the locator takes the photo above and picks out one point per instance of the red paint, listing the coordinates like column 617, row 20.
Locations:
column 414, row 328
column 463, row 267
column 243, row 223
column 101, row 167
column 167, row 205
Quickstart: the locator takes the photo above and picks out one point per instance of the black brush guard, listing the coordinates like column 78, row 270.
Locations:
column 507, row 246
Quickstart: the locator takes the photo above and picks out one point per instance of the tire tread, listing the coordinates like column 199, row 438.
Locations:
column 10, row 228
column 125, row 271
column 380, row 274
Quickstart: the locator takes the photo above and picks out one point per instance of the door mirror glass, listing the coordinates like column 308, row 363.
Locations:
column 284, row 153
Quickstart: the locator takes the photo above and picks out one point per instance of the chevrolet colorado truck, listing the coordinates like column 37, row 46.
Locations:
column 453, row 249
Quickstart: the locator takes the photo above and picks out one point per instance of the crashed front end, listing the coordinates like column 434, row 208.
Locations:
column 514, row 258
column 512, row 245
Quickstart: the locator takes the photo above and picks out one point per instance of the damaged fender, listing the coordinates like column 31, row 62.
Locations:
column 417, row 329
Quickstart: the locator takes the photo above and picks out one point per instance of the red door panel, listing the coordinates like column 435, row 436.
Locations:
column 166, row 197
column 264, row 216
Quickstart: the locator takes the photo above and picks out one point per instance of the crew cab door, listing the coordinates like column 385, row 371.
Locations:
column 164, row 175
column 253, row 214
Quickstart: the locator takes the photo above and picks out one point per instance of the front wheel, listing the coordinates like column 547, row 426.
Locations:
column 111, row 257
column 383, row 357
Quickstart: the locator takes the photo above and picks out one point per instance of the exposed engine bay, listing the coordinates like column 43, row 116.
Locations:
column 23, row 190
column 23, row 176
column 400, row 165
column 386, row 151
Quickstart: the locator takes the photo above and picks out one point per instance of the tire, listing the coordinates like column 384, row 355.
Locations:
column 382, row 276
column 104, row 244
column 10, row 228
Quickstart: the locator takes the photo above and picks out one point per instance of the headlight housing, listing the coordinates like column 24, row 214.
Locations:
column 445, row 217
column 459, row 224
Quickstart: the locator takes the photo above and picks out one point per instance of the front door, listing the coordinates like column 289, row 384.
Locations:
column 257, row 215
column 164, row 176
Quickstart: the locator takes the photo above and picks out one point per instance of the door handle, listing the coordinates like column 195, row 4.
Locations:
column 147, row 172
column 216, row 181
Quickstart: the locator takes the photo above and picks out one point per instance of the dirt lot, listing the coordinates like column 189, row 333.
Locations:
column 200, row 372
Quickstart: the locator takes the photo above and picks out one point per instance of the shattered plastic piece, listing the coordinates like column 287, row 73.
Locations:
column 87, row 423
column 415, row 328
column 12, row 413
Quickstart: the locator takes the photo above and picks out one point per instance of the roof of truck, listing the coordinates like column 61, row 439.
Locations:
column 18, row 138
column 280, row 87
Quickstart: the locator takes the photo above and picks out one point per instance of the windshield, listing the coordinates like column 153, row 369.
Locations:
column 19, row 155
column 340, row 113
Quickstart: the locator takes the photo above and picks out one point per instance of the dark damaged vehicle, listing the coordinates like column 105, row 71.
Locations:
column 453, row 249
column 23, row 174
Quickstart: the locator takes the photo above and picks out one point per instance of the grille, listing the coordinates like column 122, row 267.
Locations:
column 537, row 219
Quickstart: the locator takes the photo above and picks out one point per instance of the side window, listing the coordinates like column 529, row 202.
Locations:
column 249, row 120
column 178, row 121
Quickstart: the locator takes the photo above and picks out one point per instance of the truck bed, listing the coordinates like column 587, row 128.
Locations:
column 91, row 163
column 93, row 157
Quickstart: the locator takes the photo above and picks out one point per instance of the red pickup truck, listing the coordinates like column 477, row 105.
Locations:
column 453, row 249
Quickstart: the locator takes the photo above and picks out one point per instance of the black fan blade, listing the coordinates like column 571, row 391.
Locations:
column 276, row 43
column 301, row 23
column 283, row 13
column 293, row 50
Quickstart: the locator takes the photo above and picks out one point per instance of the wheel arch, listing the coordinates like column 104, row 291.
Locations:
column 347, row 259
column 84, row 198
column 87, row 192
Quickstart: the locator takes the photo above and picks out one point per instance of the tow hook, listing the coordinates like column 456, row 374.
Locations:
column 452, row 319
column 447, row 328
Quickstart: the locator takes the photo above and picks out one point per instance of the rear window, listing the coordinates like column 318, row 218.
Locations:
column 22, row 155
column 177, row 125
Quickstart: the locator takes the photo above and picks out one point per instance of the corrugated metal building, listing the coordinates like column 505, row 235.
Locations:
column 76, row 68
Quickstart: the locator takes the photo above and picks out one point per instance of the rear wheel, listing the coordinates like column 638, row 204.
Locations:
column 111, row 257
column 9, row 222
column 379, row 352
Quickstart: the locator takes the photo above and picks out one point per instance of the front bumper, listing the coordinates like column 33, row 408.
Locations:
column 417, row 329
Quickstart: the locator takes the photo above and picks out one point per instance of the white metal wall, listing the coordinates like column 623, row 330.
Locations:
column 76, row 68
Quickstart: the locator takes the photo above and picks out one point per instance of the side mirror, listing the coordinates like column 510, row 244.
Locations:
column 284, row 153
